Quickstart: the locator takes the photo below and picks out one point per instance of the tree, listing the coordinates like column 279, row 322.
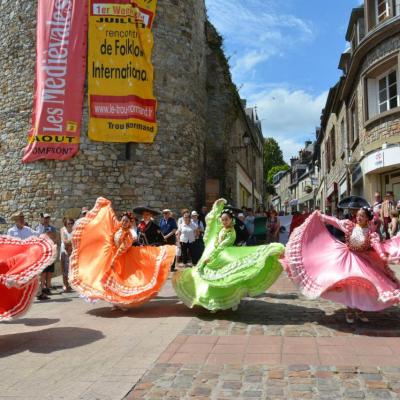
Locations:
column 272, row 155
column 274, row 170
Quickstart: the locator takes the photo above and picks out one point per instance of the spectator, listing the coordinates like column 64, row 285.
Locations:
column 183, row 212
column 168, row 227
column 394, row 223
column 186, row 235
column 83, row 212
column 242, row 235
column 273, row 227
column 202, row 215
column 149, row 231
column 249, row 222
column 66, row 251
column 377, row 204
column 44, row 227
column 387, row 207
column 198, row 247
column 20, row 230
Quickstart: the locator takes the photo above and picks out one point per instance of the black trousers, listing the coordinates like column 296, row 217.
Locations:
column 187, row 251
column 198, row 248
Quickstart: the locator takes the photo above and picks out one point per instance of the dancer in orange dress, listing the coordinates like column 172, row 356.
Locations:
column 21, row 263
column 105, row 265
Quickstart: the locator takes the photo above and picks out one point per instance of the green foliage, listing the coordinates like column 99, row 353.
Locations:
column 274, row 170
column 272, row 155
column 273, row 163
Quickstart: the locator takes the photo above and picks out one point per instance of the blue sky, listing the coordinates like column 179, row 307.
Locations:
column 284, row 57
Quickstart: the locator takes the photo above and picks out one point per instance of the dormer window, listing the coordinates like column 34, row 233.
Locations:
column 383, row 10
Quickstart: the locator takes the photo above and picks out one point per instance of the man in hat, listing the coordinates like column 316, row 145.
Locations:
column 21, row 231
column 149, row 231
column 168, row 227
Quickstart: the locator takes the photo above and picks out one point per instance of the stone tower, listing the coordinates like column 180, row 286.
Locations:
column 168, row 173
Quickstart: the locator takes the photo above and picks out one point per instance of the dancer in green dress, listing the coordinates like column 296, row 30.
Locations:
column 225, row 274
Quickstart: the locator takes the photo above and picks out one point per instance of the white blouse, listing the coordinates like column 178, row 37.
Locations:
column 187, row 232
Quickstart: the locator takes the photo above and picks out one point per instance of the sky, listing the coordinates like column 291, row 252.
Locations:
column 284, row 58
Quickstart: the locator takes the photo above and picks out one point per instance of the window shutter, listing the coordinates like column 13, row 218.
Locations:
column 396, row 7
column 372, row 98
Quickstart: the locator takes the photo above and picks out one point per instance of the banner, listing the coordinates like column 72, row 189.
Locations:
column 60, row 77
column 122, row 106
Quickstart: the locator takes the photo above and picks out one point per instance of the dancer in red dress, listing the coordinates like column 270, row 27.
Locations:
column 21, row 263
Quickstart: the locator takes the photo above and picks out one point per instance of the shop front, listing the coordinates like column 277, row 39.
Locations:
column 382, row 172
column 332, row 199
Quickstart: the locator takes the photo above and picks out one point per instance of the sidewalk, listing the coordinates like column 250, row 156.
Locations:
column 68, row 349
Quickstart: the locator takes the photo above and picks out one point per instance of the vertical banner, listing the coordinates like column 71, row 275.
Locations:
column 60, row 78
column 120, row 72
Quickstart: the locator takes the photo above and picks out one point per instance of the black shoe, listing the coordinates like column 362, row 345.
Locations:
column 43, row 296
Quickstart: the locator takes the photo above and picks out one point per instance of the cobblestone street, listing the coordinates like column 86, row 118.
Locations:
column 278, row 346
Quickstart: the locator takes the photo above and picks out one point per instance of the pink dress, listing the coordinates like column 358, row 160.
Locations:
column 352, row 273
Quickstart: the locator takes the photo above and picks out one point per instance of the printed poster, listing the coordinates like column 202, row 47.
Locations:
column 122, row 106
column 60, row 77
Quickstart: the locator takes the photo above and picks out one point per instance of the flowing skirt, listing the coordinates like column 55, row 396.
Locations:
column 322, row 266
column 21, row 262
column 237, row 272
column 138, row 274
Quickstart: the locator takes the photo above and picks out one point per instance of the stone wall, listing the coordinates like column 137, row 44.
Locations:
column 168, row 173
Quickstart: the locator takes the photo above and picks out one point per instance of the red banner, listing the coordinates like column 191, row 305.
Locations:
column 60, row 77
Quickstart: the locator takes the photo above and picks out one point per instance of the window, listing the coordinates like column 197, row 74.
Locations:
column 382, row 10
column 388, row 93
column 244, row 196
column 328, row 155
column 343, row 138
column 353, row 123
column 383, row 93
column 333, row 146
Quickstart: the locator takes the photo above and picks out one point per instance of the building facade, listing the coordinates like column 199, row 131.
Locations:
column 189, row 162
column 296, row 188
column 359, row 142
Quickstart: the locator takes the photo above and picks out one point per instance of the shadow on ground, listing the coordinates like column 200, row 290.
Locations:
column 33, row 321
column 157, row 308
column 47, row 341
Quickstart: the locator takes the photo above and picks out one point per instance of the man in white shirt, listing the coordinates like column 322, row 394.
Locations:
column 19, row 230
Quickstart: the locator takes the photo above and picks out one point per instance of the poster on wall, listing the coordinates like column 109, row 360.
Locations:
column 59, row 82
column 122, row 107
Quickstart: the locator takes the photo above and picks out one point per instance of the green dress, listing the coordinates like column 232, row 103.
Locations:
column 230, row 273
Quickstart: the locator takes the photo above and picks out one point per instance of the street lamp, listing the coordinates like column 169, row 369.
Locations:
column 246, row 140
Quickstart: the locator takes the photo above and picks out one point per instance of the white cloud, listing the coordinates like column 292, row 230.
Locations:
column 255, row 32
column 290, row 116
column 258, row 30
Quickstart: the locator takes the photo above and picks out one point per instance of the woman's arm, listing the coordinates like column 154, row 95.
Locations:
column 344, row 225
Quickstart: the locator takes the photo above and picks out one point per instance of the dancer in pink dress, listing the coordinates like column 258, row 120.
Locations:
column 354, row 273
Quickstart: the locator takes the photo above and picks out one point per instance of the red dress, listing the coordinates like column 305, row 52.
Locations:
column 21, row 262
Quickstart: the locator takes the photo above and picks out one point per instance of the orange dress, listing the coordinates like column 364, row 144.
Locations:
column 21, row 262
column 99, row 242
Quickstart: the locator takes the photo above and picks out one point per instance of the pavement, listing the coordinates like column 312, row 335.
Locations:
column 277, row 346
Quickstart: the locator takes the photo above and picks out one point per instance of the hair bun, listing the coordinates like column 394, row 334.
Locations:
column 228, row 211
column 369, row 212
